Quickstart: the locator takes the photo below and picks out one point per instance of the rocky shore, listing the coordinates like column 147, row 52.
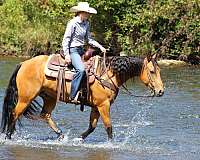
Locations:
column 171, row 63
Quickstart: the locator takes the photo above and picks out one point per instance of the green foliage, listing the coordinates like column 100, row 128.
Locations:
column 135, row 27
column 170, row 27
column 27, row 26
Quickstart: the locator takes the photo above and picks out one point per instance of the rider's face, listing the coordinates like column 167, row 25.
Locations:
column 85, row 15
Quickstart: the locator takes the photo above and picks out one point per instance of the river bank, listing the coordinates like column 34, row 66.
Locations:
column 162, row 62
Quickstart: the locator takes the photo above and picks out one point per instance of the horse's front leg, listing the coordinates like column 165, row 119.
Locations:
column 47, row 118
column 94, row 117
column 49, row 105
column 104, row 110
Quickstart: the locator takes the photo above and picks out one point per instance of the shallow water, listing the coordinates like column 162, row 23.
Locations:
column 161, row 128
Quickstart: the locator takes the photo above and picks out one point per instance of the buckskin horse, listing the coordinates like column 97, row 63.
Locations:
column 29, row 81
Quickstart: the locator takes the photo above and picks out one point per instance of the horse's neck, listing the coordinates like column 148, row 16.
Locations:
column 134, row 68
column 135, row 71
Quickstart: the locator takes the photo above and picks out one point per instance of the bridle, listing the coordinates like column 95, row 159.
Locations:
column 151, row 81
column 111, row 85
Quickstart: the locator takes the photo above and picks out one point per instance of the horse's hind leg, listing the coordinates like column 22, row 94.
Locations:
column 94, row 117
column 49, row 105
column 15, row 114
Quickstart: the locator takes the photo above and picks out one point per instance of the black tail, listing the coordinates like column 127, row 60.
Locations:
column 10, row 100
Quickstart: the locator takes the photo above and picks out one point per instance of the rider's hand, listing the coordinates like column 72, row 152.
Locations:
column 67, row 59
column 103, row 49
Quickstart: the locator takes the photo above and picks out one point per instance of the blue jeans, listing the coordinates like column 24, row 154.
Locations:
column 75, row 54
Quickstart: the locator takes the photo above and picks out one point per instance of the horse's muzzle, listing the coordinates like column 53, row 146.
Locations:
column 159, row 93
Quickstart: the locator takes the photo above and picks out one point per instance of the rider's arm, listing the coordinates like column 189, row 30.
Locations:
column 67, row 38
column 91, row 41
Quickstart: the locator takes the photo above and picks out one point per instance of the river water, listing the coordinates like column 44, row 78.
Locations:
column 161, row 128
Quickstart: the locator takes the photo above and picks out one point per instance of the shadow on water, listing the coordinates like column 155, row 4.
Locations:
column 144, row 128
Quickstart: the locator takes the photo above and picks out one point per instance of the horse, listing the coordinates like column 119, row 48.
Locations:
column 28, row 81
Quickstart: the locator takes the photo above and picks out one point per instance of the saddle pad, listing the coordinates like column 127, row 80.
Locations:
column 52, row 70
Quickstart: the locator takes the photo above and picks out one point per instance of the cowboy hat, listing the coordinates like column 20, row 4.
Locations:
column 83, row 7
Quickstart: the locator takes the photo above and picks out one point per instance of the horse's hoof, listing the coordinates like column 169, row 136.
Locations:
column 78, row 140
column 8, row 137
column 110, row 140
column 61, row 137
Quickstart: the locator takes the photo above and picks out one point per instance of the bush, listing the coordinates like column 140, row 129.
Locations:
column 134, row 27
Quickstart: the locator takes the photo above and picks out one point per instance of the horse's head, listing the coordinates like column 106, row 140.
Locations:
column 150, row 75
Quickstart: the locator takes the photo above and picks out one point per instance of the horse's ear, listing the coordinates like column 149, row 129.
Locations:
column 155, row 57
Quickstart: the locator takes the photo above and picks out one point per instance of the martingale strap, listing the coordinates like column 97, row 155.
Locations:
column 110, row 85
column 107, row 84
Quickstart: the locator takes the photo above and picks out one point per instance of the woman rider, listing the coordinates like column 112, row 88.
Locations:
column 77, row 34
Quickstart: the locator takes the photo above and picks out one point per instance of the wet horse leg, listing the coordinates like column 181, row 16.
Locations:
column 15, row 114
column 94, row 117
column 49, row 105
column 104, row 110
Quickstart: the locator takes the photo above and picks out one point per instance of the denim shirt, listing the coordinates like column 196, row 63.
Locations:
column 77, row 34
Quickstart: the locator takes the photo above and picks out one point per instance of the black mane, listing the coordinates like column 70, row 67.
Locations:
column 124, row 66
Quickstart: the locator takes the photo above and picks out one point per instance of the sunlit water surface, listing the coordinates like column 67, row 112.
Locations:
column 161, row 128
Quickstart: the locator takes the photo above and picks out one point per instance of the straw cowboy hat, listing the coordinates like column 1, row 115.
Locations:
column 83, row 7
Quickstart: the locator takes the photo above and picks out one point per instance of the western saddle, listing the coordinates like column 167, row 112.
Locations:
column 56, row 68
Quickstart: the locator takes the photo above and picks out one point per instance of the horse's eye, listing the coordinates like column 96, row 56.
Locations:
column 152, row 72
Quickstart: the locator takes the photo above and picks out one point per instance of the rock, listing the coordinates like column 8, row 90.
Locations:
column 183, row 57
column 166, row 62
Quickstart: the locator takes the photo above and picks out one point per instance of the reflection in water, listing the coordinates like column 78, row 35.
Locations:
column 167, row 127
column 97, row 155
column 23, row 153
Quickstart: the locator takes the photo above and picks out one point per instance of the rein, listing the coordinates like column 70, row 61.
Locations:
column 107, row 84
column 133, row 95
column 116, row 88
